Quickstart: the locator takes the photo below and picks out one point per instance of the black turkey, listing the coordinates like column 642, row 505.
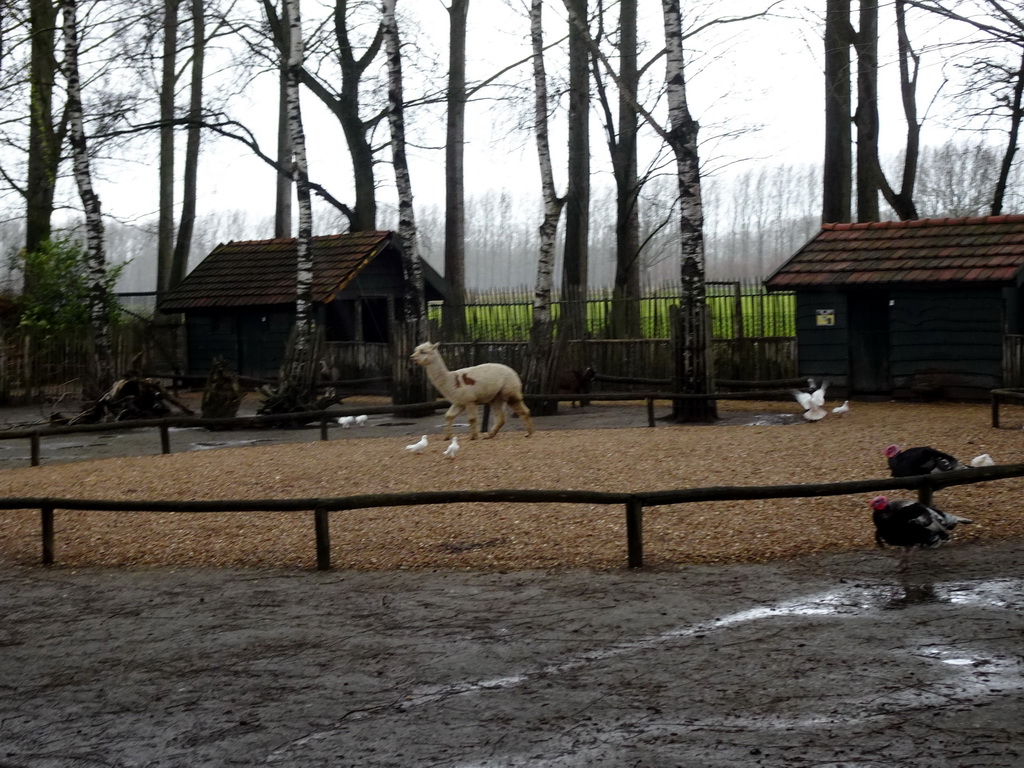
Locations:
column 910, row 525
column 921, row 460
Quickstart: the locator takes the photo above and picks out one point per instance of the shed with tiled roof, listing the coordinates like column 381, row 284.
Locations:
column 908, row 308
column 239, row 302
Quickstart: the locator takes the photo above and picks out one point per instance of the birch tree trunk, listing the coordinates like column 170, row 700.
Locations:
column 101, row 375
column 415, row 308
column 300, row 368
column 454, row 317
column 539, row 375
column 694, row 355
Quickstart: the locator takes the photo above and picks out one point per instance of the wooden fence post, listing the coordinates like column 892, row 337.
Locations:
column 34, row 449
column 635, row 532
column 165, row 439
column 924, row 495
column 323, row 427
column 323, row 539
column 46, row 514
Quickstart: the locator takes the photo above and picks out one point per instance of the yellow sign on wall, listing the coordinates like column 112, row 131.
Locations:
column 824, row 317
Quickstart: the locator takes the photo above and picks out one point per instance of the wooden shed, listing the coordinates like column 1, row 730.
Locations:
column 908, row 308
column 239, row 302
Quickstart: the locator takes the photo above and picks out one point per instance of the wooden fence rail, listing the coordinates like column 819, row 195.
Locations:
column 35, row 434
column 634, row 503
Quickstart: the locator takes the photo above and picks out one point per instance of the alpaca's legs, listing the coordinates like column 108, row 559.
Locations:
column 449, row 418
column 523, row 413
column 498, row 409
column 474, row 429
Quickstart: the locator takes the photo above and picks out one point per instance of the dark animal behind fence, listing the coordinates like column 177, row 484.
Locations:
column 576, row 382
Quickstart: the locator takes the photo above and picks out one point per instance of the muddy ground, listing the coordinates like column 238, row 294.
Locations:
column 822, row 661
column 833, row 660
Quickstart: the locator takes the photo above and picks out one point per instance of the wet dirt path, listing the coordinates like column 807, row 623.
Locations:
column 831, row 661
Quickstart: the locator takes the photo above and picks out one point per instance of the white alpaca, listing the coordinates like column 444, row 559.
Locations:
column 467, row 388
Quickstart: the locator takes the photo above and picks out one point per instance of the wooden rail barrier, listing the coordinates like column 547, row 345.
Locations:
column 999, row 396
column 634, row 503
column 35, row 434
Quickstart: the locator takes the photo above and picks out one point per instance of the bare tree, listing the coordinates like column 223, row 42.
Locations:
column 539, row 375
column 102, row 374
column 187, row 218
column 415, row 308
column 838, row 177
column 621, row 133
column 693, row 365
column 454, row 317
column 994, row 91
column 299, row 369
column 46, row 134
column 575, row 258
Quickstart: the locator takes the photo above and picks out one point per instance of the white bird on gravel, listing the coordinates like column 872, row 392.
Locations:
column 346, row 421
column 982, row 461
column 839, row 410
column 452, row 449
column 812, row 402
column 361, row 420
column 418, row 446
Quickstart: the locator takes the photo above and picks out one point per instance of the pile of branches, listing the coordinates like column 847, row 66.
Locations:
column 131, row 398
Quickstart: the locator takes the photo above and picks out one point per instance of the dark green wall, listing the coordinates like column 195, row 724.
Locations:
column 822, row 351
column 941, row 340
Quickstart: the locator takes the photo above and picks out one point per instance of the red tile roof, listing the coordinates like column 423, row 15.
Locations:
column 261, row 272
column 980, row 249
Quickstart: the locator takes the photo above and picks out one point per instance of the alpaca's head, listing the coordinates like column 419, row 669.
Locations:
column 424, row 353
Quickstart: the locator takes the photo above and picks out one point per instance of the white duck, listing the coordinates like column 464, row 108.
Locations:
column 418, row 446
column 346, row 421
column 839, row 410
column 361, row 420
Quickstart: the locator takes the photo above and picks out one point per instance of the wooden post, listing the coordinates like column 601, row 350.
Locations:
column 995, row 410
column 323, row 427
column 924, row 495
column 635, row 532
column 47, row 526
column 486, row 424
column 650, row 411
column 323, row 539
column 737, row 310
column 165, row 439
column 34, row 449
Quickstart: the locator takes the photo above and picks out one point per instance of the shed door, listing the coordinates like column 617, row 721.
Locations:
column 869, row 343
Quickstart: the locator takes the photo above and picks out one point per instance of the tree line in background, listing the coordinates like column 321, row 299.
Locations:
column 747, row 233
column 83, row 81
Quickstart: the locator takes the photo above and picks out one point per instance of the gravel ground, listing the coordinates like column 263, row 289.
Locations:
column 755, row 444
